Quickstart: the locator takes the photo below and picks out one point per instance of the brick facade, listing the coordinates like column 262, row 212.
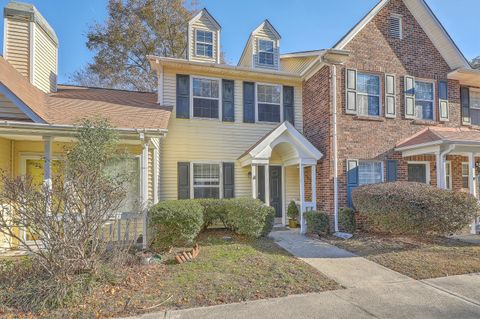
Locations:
column 373, row 51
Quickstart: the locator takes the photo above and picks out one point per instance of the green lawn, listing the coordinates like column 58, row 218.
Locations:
column 226, row 271
column 419, row 258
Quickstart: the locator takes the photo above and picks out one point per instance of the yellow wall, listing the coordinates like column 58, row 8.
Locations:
column 190, row 140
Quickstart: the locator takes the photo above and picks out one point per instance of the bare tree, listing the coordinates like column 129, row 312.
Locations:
column 61, row 224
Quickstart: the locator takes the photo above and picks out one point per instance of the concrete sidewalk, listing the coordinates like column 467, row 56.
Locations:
column 372, row 291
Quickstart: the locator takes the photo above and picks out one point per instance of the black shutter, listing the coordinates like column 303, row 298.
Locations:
column 352, row 179
column 288, row 105
column 392, row 170
column 248, row 102
column 465, row 101
column 228, row 104
column 183, row 180
column 183, row 96
column 228, row 180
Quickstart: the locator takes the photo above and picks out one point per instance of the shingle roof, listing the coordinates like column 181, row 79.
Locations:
column 125, row 109
column 442, row 134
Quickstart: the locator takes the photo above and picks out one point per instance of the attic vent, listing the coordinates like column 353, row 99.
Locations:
column 395, row 30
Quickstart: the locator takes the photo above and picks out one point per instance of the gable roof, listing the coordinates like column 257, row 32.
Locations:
column 204, row 12
column 429, row 23
column 267, row 24
column 125, row 109
column 440, row 135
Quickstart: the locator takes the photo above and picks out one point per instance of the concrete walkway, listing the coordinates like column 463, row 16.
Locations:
column 372, row 291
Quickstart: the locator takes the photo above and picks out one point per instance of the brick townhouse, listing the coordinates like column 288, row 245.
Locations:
column 397, row 106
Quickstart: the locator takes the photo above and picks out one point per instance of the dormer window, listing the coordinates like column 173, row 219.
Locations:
column 395, row 28
column 204, row 43
column 265, row 52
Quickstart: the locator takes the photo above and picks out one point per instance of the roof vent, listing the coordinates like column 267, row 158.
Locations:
column 395, row 28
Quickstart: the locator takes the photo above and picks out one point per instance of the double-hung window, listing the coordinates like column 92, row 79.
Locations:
column 370, row 172
column 206, row 180
column 424, row 97
column 265, row 52
column 465, row 176
column 269, row 102
column 204, row 43
column 206, row 98
column 368, row 94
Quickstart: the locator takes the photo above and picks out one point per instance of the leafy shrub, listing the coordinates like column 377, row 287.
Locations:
column 317, row 222
column 346, row 220
column 269, row 220
column 414, row 208
column 175, row 223
column 246, row 216
column 214, row 211
column 292, row 210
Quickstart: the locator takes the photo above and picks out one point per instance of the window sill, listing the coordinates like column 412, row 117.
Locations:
column 369, row 118
column 424, row 122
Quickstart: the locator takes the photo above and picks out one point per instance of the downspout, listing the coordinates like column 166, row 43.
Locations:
column 441, row 168
column 335, row 154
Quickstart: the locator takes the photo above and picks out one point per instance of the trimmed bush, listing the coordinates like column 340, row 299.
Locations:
column 317, row 222
column 269, row 221
column 414, row 208
column 246, row 216
column 175, row 223
column 346, row 220
column 292, row 210
column 214, row 211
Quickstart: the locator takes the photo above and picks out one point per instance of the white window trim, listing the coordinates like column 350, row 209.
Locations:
column 196, row 42
column 468, row 175
column 371, row 161
column 448, row 172
column 427, row 168
column 207, row 98
column 470, row 97
column 256, row 103
column 273, row 53
column 434, row 105
column 380, row 104
column 400, row 19
column 220, row 185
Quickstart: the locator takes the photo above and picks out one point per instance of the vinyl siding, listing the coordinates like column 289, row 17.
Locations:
column 45, row 61
column 265, row 34
column 295, row 65
column 17, row 45
column 292, row 185
column 246, row 59
column 191, row 140
column 8, row 110
column 203, row 23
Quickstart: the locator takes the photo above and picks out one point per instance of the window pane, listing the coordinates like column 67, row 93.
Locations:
column 474, row 99
column 269, row 113
column 204, row 36
column 265, row 58
column 206, row 180
column 205, row 108
column 204, row 49
column 368, row 105
column 268, row 94
column 205, row 88
column 424, row 110
column 370, row 172
column 465, row 177
column 424, row 91
column 265, row 46
column 368, row 83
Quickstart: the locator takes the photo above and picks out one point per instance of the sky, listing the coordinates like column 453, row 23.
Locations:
column 303, row 24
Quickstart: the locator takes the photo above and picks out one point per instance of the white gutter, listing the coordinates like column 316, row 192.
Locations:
column 335, row 153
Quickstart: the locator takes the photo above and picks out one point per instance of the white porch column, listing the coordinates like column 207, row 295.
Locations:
column 47, row 163
column 314, row 186
column 439, row 170
column 156, row 162
column 254, row 181
column 473, row 185
column 301, row 171
column 267, row 185
column 144, row 189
